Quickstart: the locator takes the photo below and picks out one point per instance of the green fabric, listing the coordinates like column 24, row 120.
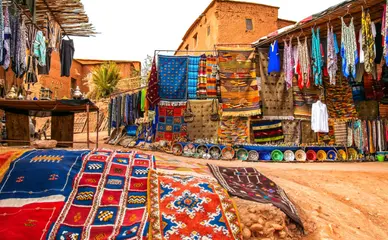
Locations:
column 40, row 48
column 143, row 99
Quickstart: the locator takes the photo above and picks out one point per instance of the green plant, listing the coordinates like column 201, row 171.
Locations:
column 105, row 79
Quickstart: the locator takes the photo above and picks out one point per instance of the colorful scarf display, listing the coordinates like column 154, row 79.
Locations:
column 56, row 168
column 190, row 207
column 193, row 77
column 202, row 78
column 211, row 77
column 153, row 86
column 109, row 198
column 267, row 131
column 288, row 67
column 171, row 125
column 172, row 77
column 202, row 127
column 317, row 62
column 239, row 90
column 368, row 42
column 234, row 130
column 250, row 184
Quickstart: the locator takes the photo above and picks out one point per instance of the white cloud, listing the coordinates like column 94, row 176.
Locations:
column 132, row 29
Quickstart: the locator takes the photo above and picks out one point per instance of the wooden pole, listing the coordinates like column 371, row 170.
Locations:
column 87, row 125
column 98, row 127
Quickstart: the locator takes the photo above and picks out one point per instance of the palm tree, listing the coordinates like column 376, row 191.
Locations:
column 105, row 79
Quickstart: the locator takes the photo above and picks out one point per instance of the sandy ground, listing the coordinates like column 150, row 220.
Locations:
column 335, row 200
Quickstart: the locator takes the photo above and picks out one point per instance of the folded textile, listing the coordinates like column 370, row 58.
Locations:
column 239, row 90
column 171, row 124
column 192, row 77
column 250, row 184
column 109, row 198
column 172, row 77
column 57, row 169
column 190, row 207
column 267, row 131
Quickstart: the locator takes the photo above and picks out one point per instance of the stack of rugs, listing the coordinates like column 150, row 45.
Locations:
column 105, row 194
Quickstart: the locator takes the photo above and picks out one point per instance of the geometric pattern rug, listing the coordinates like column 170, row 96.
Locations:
column 185, row 206
column 109, row 198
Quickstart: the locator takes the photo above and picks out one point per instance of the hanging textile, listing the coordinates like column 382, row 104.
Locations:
column 291, row 132
column 303, row 100
column 45, row 70
column 171, row 124
column 303, row 67
column 40, row 48
column 384, row 32
column 1, row 32
column 267, row 131
column 368, row 42
column 332, row 64
column 368, row 110
column 7, row 40
column 288, row 63
column 193, row 77
column 274, row 58
column 340, row 133
column 172, row 77
column 319, row 117
column 202, row 78
column 153, row 86
column 31, row 36
column 348, row 49
column 31, row 76
column 234, row 130
column 239, row 90
column 202, row 127
column 211, row 77
column 317, row 62
column 328, row 138
column 277, row 101
column 66, row 55
column 250, row 184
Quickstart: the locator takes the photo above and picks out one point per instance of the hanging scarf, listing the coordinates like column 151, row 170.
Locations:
column 368, row 42
column 349, row 49
column 40, row 48
column 316, row 57
column 202, row 78
column 332, row 65
column 287, row 64
column 303, row 67
column 153, row 86
column 7, row 40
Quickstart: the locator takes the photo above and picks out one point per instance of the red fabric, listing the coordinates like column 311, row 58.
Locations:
column 153, row 86
column 32, row 221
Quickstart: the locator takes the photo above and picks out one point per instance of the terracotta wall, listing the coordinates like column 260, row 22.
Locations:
column 232, row 17
column 284, row 23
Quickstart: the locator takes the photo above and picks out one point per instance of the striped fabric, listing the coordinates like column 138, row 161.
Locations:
column 267, row 131
column 340, row 133
column 211, row 74
column 193, row 69
column 202, row 78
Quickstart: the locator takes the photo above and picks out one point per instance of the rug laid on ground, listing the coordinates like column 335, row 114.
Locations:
column 234, row 130
column 239, row 90
column 267, row 131
column 172, row 77
column 109, row 198
column 42, row 174
column 8, row 155
column 202, row 127
column 176, row 165
column 190, row 207
column 250, row 184
column 31, row 221
column 171, row 124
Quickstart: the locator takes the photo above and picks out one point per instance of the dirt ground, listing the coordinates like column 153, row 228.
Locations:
column 335, row 200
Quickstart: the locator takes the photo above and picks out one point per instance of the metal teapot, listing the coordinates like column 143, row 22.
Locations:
column 76, row 94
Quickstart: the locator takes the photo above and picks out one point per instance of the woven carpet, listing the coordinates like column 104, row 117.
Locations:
column 211, row 75
column 108, row 200
column 234, row 130
column 239, row 90
column 171, row 125
column 267, row 131
column 202, row 127
column 172, row 77
column 193, row 69
column 8, row 155
column 340, row 133
column 368, row 110
column 303, row 100
column 190, row 207
column 40, row 174
column 291, row 131
column 277, row 100
column 202, row 78
column 250, row 184
column 308, row 135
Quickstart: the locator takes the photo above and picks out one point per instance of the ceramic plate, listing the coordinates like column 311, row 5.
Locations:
column 177, row 149
column 300, row 156
column 227, row 153
column 253, row 155
column 332, row 155
column 311, row 155
column 242, row 154
column 265, row 156
column 353, row 155
column 215, row 152
column 277, row 156
column 189, row 150
column 321, row 155
column 289, row 156
column 342, row 155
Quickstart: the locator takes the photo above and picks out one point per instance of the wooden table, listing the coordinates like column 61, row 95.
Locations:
column 62, row 112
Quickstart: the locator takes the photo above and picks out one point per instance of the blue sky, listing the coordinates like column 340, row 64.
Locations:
column 132, row 29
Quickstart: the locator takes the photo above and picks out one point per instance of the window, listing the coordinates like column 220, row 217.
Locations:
column 195, row 37
column 208, row 30
column 73, row 83
column 187, row 47
column 249, row 24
